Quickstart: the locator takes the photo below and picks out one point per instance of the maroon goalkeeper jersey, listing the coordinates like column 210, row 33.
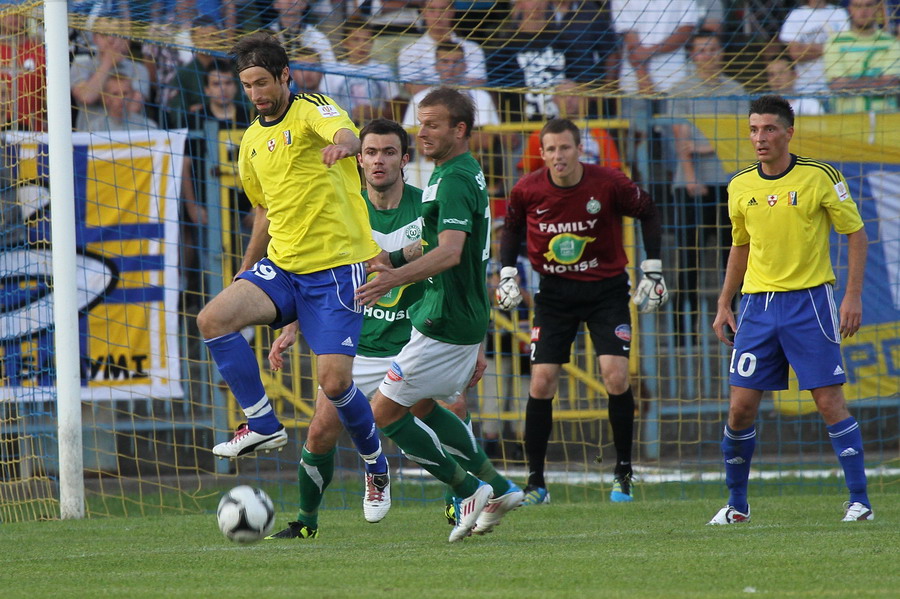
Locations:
column 576, row 232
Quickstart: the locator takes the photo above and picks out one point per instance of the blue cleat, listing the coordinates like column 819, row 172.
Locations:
column 535, row 496
column 621, row 491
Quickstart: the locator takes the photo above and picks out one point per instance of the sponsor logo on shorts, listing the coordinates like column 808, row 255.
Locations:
column 623, row 332
column 535, row 334
column 395, row 373
column 838, row 370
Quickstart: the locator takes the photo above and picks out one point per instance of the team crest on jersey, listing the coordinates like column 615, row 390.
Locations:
column 772, row 199
column 328, row 111
column 413, row 231
column 792, row 198
column 623, row 332
column 287, row 137
column 535, row 334
column 593, row 206
column 271, row 145
column 395, row 373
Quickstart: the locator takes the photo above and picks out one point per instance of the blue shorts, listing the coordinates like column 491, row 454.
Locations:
column 323, row 303
column 800, row 328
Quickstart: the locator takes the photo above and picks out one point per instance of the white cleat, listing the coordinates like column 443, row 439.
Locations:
column 729, row 515
column 246, row 442
column 497, row 508
column 377, row 500
column 857, row 512
column 468, row 510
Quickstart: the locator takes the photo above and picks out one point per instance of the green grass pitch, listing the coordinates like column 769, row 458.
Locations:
column 795, row 546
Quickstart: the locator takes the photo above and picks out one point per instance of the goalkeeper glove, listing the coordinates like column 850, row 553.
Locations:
column 652, row 288
column 508, row 294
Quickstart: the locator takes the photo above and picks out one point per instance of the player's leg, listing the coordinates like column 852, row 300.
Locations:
column 812, row 345
column 457, row 438
column 608, row 318
column 555, row 326
column 426, row 368
column 538, row 427
column 620, row 406
column 757, row 363
column 241, row 304
column 331, row 323
column 315, row 471
column 846, row 440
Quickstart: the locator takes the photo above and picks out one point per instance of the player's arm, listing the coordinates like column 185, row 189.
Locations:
column 284, row 342
column 512, row 236
column 345, row 143
column 734, row 277
column 651, row 291
column 259, row 240
column 851, row 305
column 446, row 255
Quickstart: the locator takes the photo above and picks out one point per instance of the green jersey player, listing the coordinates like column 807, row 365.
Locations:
column 450, row 321
column 394, row 214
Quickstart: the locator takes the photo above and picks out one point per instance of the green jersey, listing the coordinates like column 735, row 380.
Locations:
column 455, row 307
column 386, row 325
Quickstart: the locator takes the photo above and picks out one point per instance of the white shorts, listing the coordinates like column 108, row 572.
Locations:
column 368, row 372
column 426, row 368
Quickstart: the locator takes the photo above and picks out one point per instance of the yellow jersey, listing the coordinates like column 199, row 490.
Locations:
column 787, row 219
column 317, row 216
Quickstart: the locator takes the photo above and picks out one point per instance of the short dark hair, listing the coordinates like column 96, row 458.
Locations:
column 702, row 34
column 459, row 105
column 772, row 104
column 447, row 47
column 386, row 127
column 260, row 49
column 219, row 65
column 558, row 125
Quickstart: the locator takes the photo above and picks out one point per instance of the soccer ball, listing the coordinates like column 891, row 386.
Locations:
column 245, row 514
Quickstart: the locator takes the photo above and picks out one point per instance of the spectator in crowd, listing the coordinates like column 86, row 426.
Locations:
column 218, row 105
column 597, row 145
column 120, row 108
column 189, row 79
column 451, row 68
column 781, row 77
column 306, row 70
column 391, row 22
column 654, row 33
column 590, row 43
column 530, row 55
column 863, row 64
column 700, row 209
column 477, row 20
column 417, row 62
column 109, row 57
column 293, row 30
column 805, row 31
column 23, row 72
column 360, row 84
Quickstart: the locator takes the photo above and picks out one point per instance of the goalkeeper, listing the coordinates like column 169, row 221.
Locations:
column 571, row 214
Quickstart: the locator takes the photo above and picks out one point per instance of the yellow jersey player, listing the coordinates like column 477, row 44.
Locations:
column 306, row 256
column 782, row 210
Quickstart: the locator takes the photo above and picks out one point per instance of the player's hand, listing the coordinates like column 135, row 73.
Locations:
column 725, row 317
column 508, row 294
column 377, row 288
column 331, row 154
column 480, row 367
column 651, row 292
column 850, row 315
column 287, row 338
